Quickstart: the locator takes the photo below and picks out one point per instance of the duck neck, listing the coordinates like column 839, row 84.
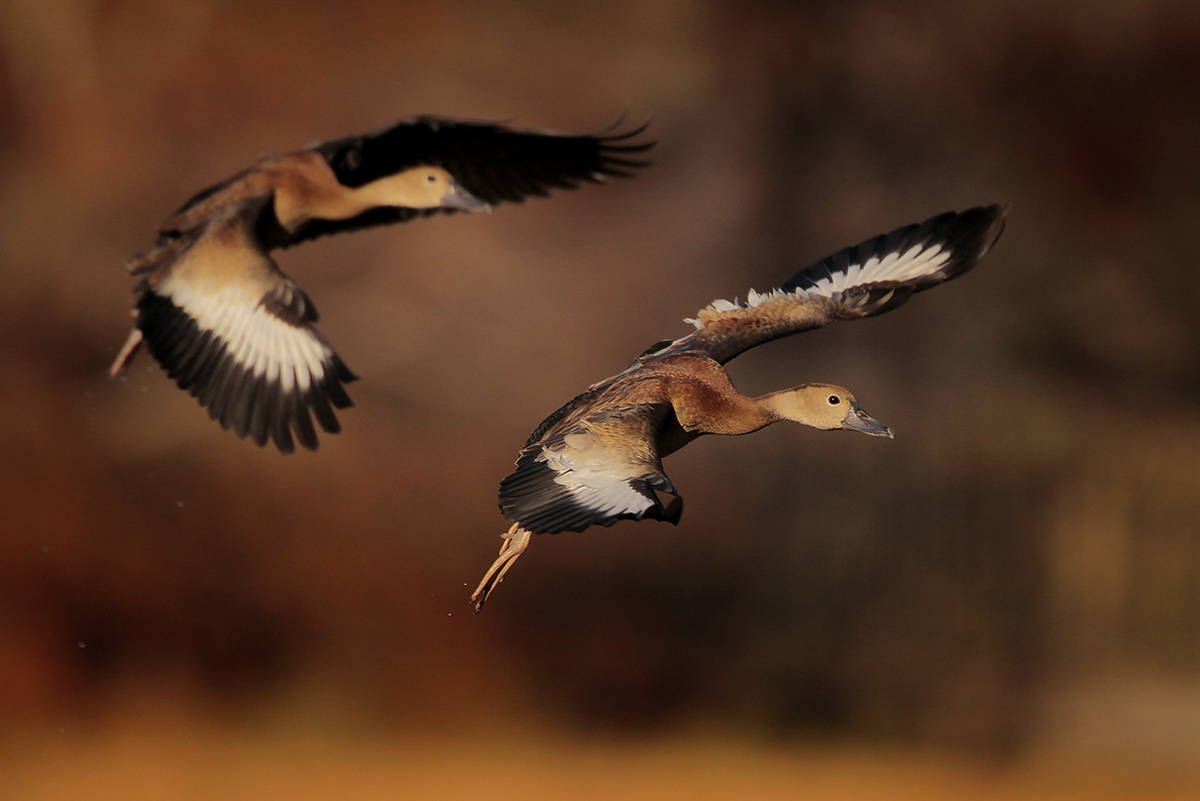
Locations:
column 306, row 188
column 781, row 405
column 706, row 402
column 391, row 190
column 742, row 415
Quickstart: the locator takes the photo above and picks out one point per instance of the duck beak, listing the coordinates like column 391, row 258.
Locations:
column 462, row 200
column 859, row 420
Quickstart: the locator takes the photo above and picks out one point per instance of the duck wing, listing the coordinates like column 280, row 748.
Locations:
column 594, row 464
column 494, row 163
column 239, row 336
column 870, row 278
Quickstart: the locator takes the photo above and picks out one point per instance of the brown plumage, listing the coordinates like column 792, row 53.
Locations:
column 221, row 318
column 598, row 459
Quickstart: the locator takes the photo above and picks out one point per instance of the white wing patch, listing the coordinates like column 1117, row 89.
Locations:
column 260, row 342
column 258, row 367
column 893, row 268
column 595, row 479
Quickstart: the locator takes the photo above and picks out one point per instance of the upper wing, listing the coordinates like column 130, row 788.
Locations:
column 870, row 278
column 214, row 193
column 593, row 469
column 492, row 162
column 238, row 336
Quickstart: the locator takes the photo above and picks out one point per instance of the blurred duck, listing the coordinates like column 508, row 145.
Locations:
column 221, row 318
column 598, row 459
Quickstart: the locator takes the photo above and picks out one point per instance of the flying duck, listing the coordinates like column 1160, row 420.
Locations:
column 217, row 313
column 598, row 459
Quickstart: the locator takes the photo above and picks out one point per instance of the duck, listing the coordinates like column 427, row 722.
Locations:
column 598, row 458
column 219, row 316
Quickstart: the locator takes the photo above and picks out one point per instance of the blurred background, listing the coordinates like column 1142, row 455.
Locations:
column 1004, row 602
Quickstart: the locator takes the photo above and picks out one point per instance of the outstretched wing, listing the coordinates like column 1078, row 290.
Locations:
column 592, row 470
column 870, row 278
column 239, row 337
column 494, row 163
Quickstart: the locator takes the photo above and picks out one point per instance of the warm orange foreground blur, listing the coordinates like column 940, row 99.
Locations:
column 255, row 762
column 1002, row 603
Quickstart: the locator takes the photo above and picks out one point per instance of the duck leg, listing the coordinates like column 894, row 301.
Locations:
column 516, row 540
column 128, row 351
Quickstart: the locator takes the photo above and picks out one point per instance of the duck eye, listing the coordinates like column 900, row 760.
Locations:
column 834, row 400
column 431, row 178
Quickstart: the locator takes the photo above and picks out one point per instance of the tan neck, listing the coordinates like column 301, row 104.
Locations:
column 306, row 188
column 312, row 191
column 781, row 405
column 739, row 414
column 400, row 189
column 706, row 402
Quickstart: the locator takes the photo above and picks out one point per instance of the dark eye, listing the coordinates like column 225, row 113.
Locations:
column 431, row 178
column 834, row 400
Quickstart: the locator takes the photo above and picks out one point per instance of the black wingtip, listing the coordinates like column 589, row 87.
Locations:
column 609, row 138
column 970, row 234
column 993, row 220
column 616, row 149
column 671, row 513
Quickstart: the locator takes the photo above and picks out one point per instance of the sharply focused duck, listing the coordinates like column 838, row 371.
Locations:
column 221, row 318
column 598, row 459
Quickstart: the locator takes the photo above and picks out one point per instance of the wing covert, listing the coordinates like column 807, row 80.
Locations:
column 592, row 471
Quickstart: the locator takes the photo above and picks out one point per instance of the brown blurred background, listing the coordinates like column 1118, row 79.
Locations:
column 1003, row 602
